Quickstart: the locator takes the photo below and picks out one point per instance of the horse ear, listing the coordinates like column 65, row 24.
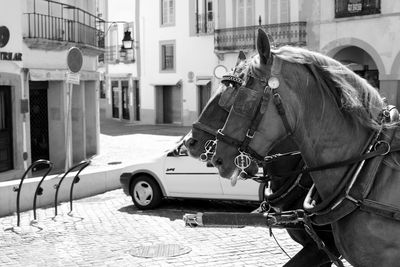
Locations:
column 241, row 57
column 263, row 46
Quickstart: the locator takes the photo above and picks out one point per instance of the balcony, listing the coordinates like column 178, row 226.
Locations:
column 244, row 38
column 347, row 8
column 70, row 26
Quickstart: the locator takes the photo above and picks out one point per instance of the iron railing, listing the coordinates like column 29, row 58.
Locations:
column 77, row 26
column 244, row 38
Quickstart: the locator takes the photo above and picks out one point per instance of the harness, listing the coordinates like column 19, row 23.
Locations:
column 234, row 82
column 353, row 189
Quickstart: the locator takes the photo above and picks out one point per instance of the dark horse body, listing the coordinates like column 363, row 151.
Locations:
column 212, row 118
column 331, row 114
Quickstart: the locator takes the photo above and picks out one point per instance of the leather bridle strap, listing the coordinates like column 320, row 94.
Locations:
column 380, row 150
column 281, row 110
column 244, row 144
column 205, row 128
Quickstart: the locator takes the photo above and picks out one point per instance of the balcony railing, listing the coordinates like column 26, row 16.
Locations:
column 244, row 38
column 78, row 27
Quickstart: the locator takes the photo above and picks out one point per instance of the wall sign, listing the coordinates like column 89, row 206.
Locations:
column 4, row 36
column 74, row 59
column 10, row 56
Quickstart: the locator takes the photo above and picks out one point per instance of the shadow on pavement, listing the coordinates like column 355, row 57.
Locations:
column 175, row 209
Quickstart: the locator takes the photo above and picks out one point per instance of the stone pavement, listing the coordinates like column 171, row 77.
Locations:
column 107, row 230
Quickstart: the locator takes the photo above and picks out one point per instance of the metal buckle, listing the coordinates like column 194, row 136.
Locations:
column 248, row 134
column 382, row 142
column 210, row 149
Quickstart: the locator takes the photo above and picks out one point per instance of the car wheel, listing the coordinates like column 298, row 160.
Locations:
column 145, row 192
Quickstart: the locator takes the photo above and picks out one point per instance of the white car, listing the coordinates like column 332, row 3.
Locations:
column 175, row 174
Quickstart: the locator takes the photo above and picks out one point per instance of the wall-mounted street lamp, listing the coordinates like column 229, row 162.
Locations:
column 126, row 50
column 127, row 43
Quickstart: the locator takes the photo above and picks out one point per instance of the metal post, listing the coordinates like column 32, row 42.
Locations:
column 68, row 128
column 82, row 165
column 39, row 190
column 18, row 189
column 76, row 180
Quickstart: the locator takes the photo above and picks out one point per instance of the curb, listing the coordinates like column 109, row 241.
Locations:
column 93, row 180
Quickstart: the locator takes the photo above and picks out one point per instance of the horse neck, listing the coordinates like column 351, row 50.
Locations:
column 324, row 136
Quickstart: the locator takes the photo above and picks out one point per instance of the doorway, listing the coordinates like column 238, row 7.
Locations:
column 125, row 100
column 115, row 99
column 6, row 143
column 204, row 95
column 168, row 104
column 39, row 120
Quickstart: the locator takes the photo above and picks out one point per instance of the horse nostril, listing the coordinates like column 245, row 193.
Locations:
column 218, row 162
column 191, row 142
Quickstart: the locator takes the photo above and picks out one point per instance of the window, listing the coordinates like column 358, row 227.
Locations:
column 168, row 56
column 167, row 12
column 245, row 13
column 349, row 8
column 204, row 16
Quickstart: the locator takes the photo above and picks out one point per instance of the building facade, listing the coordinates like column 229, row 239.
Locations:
column 120, row 87
column 363, row 34
column 182, row 47
column 35, row 37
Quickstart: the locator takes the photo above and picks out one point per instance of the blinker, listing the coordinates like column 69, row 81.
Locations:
column 273, row 82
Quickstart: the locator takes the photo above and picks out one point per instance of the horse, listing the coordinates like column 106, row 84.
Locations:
column 287, row 194
column 331, row 114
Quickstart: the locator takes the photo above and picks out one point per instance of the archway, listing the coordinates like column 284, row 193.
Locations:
column 360, row 62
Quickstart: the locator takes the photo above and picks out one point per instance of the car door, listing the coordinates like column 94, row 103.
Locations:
column 189, row 177
column 243, row 190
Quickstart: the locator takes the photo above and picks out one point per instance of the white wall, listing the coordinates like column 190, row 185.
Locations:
column 194, row 54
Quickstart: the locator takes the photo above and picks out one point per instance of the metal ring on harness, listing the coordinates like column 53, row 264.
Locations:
column 209, row 150
column 385, row 143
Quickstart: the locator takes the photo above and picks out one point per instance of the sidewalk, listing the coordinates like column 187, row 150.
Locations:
column 124, row 143
column 121, row 145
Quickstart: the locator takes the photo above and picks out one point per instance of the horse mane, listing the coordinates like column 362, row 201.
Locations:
column 357, row 98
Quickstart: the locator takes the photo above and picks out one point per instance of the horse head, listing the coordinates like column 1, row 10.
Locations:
column 234, row 139
column 215, row 112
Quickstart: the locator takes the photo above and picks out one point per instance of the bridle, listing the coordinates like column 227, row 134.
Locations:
column 246, row 153
column 209, row 147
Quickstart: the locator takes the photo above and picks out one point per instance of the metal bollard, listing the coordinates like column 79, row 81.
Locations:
column 39, row 190
column 18, row 189
column 81, row 165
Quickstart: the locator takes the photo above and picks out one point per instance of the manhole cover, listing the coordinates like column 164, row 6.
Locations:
column 161, row 250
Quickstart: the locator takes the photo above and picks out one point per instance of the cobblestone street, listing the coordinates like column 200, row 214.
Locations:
column 107, row 228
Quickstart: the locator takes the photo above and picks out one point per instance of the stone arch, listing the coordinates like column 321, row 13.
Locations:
column 335, row 46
